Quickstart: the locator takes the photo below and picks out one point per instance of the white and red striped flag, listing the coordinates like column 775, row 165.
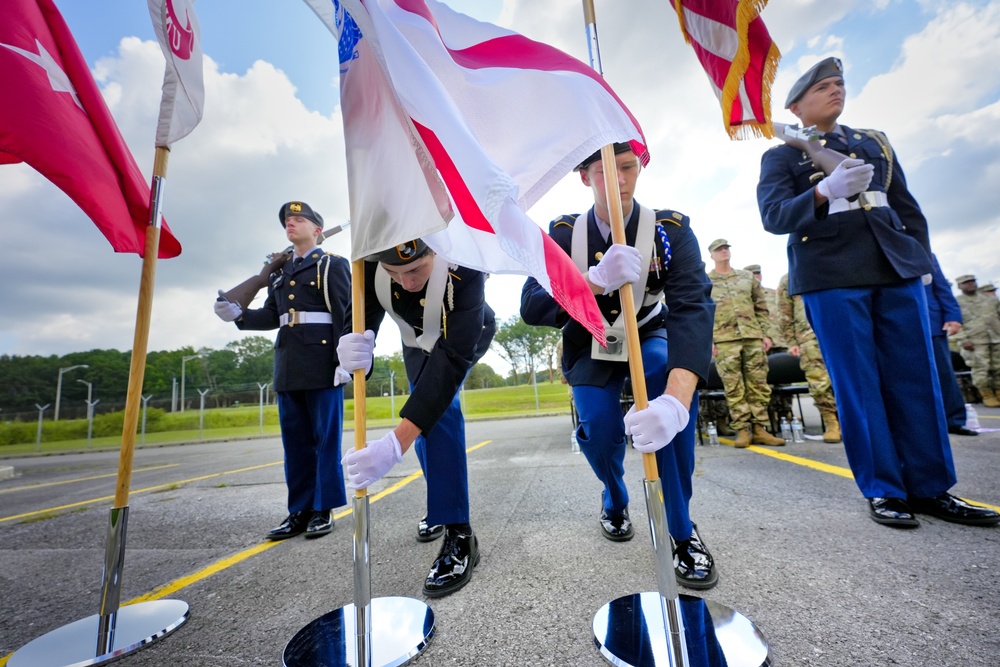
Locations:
column 455, row 127
column 733, row 45
column 183, row 98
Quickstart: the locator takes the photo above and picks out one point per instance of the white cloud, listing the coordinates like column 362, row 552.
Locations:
column 257, row 147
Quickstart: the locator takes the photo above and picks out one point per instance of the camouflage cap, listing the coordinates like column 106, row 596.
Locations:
column 404, row 253
column 988, row 287
column 619, row 149
column 824, row 69
column 716, row 244
column 301, row 209
column 965, row 278
column 752, row 268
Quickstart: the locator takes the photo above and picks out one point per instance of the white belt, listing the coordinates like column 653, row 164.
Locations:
column 653, row 313
column 294, row 317
column 866, row 200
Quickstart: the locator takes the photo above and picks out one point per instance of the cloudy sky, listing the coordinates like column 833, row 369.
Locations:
column 923, row 71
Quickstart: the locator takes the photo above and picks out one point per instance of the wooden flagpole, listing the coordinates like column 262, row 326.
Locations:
column 140, row 341
column 673, row 622
column 362, row 561
column 114, row 555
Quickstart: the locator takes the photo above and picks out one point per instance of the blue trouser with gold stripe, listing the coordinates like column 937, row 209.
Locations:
column 441, row 453
column 877, row 345
column 312, row 421
column 601, row 434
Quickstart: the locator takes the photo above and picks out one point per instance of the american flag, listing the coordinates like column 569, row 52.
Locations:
column 733, row 45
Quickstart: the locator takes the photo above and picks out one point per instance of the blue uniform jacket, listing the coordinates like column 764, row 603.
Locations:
column 686, row 321
column 305, row 355
column 851, row 248
column 942, row 306
column 465, row 337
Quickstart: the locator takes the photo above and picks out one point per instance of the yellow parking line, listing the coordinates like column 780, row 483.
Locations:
column 83, row 479
column 840, row 471
column 145, row 490
column 229, row 561
column 808, row 463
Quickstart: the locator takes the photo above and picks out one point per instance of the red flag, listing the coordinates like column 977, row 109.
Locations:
column 733, row 45
column 54, row 118
column 455, row 127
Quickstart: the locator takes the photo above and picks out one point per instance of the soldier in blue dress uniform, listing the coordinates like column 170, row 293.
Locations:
column 309, row 302
column 446, row 326
column 858, row 246
column 663, row 262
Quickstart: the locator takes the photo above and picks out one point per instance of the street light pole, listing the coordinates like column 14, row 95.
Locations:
column 263, row 386
column 90, row 409
column 184, row 361
column 38, row 436
column 55, row 415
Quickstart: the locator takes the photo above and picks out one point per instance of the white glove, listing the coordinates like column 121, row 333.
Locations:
column 653, row 428
column 227, row 310
column 340, row 376
column 621, row 264
column 366, row 466
column 355, row 351
column 851, row 177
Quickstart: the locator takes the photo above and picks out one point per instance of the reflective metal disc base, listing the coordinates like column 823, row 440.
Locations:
column 401, row 628
column 75, row 644
column 629, row 633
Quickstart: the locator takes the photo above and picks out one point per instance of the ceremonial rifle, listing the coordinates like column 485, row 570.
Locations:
column 809, row 141
column 245, row 292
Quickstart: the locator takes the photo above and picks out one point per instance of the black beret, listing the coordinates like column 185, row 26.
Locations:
column 404, row 253
column 301, row 209
column 824, row 69
column 619, row 149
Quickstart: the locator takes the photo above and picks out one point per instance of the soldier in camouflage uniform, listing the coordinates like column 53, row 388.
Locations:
column 802, row 343
column 741, row 341
column 979, row 339
column 778, row 343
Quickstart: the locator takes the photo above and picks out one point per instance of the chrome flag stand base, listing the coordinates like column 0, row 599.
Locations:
column 114, row 632
column 629, row 633
column 384, row 632
column 72, row 645
column 665, row 629
column 400, row 630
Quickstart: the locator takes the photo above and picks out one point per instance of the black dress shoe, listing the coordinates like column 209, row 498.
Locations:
column 694, row 566
column 617, row 528
column 427, row 533
column 892, row 512
column 949, row 508
column 320, row 524
column 294, row 524
column 453, row 566
column 961, row 430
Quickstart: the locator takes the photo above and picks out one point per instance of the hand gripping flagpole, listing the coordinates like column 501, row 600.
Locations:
column 380, row 632
column 625, row 630
column 119, row 630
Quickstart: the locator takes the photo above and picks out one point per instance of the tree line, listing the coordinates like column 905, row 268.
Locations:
column 232, row 375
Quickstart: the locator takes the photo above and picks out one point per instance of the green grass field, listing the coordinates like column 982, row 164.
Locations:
column 244, row 422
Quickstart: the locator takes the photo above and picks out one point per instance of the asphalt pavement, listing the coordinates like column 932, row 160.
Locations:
column 796, row 551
